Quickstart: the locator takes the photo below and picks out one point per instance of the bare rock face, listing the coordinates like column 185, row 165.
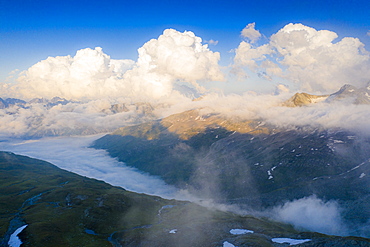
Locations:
column 302, row 99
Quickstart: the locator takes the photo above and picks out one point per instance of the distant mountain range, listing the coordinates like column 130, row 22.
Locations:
column 347, row 92
column 48, row 117
column 6, row 103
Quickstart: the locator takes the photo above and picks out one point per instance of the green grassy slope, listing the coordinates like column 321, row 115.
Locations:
column 65, row 209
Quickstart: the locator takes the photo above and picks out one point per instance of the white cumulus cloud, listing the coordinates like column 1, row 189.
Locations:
column 92, row 74
column 89, row 74
column 309, row 58
column 177, row 56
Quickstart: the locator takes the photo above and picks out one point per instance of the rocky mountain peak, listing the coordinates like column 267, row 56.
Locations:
column 302, row 99
column 358, row 96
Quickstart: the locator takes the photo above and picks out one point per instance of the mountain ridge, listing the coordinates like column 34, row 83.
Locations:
column 357, row 96
column 190, row 123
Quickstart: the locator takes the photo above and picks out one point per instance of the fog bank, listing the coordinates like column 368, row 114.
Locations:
column 72, row 154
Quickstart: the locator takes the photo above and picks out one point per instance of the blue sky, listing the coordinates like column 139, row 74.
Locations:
column 30, row 31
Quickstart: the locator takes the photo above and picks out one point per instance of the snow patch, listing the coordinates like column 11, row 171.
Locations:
column 338, row 141
column 14, row 241
column 331, row 147
column 354, row 168
column 227, row 244
column 318, row 100
column 290, row 241
column 269, row 172
column 240, row 231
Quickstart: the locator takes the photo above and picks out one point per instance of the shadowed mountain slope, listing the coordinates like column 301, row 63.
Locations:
column 249, row 163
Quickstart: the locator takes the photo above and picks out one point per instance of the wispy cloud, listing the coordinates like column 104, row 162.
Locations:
column 211, row 42
column 12, row 74
column 313, row 214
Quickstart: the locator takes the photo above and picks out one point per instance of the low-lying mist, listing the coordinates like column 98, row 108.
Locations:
column 73, row 154
column 312, row 213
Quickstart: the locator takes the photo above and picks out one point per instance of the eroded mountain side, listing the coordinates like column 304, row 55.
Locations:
column 53, row 207
column 250, row 163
